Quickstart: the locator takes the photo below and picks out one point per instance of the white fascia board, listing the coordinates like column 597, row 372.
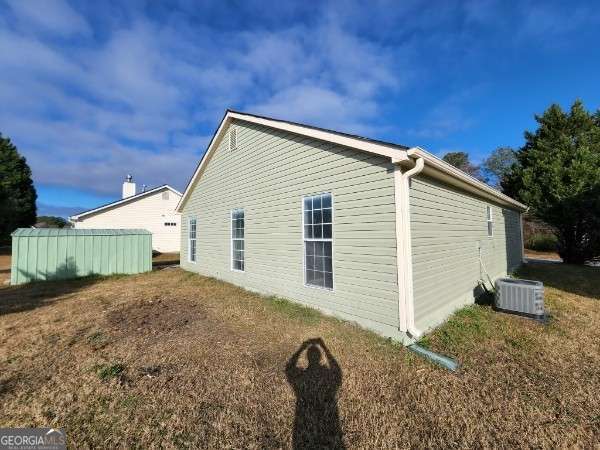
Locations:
column 437, row 168
column 434, row 166
column 394, row 153
column 214, row 143
column 346, row 141
column 175, row 191
column 123, row 201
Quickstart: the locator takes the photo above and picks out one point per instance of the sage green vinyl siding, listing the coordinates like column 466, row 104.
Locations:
column 46, row 254
column 448, row 226
column 267, row 175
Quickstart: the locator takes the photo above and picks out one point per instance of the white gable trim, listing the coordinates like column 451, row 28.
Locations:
column 393, row 152
column 397, row 154
column 323, row 135
column 124, row 201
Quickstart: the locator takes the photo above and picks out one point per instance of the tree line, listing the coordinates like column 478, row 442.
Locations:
column 17, row 193
column 556, row 173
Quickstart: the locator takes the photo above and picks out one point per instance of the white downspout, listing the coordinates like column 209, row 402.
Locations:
column 406, row 315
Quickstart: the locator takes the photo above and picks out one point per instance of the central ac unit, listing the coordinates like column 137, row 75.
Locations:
column 522, row 297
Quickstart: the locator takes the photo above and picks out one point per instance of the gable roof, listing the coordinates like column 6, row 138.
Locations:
column 434, row 166
column 124, row 201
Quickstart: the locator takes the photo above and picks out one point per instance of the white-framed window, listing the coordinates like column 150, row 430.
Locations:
column 490, row 221
column 317, row 229
column 237, row 239
column 192, row 239
column 232, row 138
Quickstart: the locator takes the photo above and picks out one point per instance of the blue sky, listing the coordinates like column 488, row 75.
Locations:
column 91, row 91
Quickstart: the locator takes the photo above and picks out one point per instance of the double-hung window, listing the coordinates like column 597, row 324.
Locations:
column 318, row 241
column 192, row 239
column 490, row 221
column 237, row 239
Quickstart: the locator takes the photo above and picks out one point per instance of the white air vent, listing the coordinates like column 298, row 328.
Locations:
column 232, row 138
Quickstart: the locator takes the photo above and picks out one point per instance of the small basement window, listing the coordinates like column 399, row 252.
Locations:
column 232, row 138
column 490, row 221
column 170, row 224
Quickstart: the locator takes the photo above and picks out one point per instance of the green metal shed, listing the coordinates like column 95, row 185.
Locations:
column 51, row 253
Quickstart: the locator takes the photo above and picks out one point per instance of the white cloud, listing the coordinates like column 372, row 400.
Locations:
column 321, row 107
column 448, row 116
column 146, row 96
column 330, row 78
column 55, row 16
column 22, row 55
column 93, row 97
column 544, row 21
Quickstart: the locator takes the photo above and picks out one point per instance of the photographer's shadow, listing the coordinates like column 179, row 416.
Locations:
column 317, row 423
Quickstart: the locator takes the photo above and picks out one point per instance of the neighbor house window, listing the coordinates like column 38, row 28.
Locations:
column 318, row 241
column 237, row 239
column 490, row 222
column 192, row 239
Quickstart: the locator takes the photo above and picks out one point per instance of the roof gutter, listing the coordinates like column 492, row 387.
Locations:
column 440, row 169
column 406, row 310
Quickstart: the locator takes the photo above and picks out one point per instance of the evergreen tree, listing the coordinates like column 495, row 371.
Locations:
column 558, row 176
column 17, row 193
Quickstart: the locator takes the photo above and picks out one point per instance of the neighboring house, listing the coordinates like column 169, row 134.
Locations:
column 152, row 210
column 388, row 236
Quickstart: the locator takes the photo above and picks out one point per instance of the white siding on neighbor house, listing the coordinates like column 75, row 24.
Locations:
column 448, row 227
column 149, row 213
column 267, row 176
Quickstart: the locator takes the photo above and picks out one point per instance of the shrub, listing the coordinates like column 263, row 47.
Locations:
column 542, row 242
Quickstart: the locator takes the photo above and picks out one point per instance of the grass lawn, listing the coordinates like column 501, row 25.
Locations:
column 174, row 359
column 535, row 254
column 4, row 264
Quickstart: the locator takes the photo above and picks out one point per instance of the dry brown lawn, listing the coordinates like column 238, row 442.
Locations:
column 172, row 359
column 163, row 259
column 4, row 264
column 535, row 254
